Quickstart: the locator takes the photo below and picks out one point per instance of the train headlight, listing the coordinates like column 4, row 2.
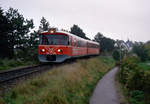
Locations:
column 59, row 50
column 52, row 30
column 42, row 50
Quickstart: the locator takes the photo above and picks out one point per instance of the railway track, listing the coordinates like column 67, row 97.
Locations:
column 9, row 76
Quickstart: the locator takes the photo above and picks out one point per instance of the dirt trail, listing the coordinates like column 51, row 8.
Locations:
column 105, row 92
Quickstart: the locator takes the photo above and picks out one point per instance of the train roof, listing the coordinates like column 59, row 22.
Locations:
column 78, row 37
column 70, row 34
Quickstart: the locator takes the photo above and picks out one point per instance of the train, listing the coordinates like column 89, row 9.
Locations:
column 58, row 46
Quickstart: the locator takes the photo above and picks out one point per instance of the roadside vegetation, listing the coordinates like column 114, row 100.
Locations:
column 134, row 76
column 135, row 79
column 108, row 60
column 19, row 43
column 19, row 39
column 68, row 84
column 144, row 65
column 6, row 64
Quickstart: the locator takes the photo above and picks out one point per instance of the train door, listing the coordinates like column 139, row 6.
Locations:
column 70, row 45
column 74, row 50
column 86, row 48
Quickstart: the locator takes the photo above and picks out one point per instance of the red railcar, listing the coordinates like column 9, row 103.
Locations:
column 57, row 46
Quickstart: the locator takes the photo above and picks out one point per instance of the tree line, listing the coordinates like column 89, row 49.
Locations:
column 20, row 40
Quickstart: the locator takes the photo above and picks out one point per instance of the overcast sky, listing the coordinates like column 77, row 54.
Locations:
column 117, row 19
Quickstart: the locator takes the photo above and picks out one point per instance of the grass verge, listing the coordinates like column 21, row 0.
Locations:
column 144, row 65
column 68, row 84
column 108, row 61
column 6, row 64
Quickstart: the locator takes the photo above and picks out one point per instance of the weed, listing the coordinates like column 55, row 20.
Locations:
column 68, row 84
column 6, row 64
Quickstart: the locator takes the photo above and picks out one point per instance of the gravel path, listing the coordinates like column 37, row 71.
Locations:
column 105, row 92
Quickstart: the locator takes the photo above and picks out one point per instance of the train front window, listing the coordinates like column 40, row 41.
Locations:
column 53, row 40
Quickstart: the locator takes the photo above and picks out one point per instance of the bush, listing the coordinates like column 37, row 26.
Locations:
column 146, row 87
column 140, row 50
column 136, row 80
column 129, row 65
column 137, row 97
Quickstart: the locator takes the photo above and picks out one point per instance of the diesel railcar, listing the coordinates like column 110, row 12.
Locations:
column 57, row 46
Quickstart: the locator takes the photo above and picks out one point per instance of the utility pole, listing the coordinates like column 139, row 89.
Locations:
column 120, row 53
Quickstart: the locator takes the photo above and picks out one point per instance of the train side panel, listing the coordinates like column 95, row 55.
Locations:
column 93, row 48
column 79, row 51
column 74, row 47
column 93, row 51
column 79, row 47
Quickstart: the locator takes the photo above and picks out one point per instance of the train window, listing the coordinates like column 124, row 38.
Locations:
column 70, row 41
column 91, row 45
column 43, row 40
column 75, row 42
column 79, row 43
column 54, row 40
column 84, row 44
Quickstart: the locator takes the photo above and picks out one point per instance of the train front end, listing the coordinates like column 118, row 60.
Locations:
column 53, row 47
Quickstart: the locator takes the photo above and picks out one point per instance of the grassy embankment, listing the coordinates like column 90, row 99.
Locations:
column 144, row 65
column 6, row 64
column 135, row 80
column 68, row 84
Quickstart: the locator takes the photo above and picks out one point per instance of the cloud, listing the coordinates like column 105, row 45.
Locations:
column 115, row 18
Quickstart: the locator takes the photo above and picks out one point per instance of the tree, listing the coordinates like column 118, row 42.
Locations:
column 76, row 30
column 98, row 37
column 4, row 43
column 147, row 47
column 44, row 25
column 106, row 44
column 116, row 55
column 19, row 29
column 34, row 39
column 139, row 49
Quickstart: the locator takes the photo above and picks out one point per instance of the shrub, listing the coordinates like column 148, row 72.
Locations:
column 1, row 62
column 146, row 87
column 137, row 97
column 136, row 80
column 140, row 50
column 129, row 65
